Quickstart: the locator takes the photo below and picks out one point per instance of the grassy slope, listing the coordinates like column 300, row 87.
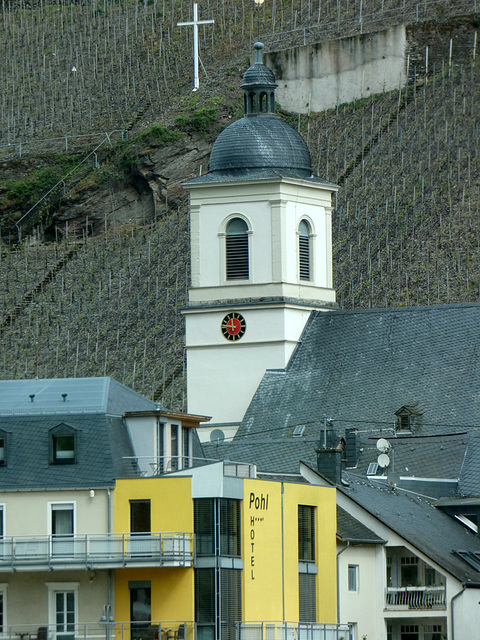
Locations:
column 405, row 224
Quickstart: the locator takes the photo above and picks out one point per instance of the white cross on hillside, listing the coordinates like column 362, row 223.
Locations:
column 195, row 22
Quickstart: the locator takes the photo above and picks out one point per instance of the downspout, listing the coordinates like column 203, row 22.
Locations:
column 109, row 528
column 452, row 609
column 283, row 559
column 338, row 580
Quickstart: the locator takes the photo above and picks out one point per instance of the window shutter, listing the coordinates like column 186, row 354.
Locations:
column 237, row 250
column 307, row 597
column 204, row 526
column 230, row 540
column 304, row 250
column 231, row 601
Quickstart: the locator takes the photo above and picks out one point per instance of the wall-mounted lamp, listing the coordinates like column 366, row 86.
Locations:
column 92, row 493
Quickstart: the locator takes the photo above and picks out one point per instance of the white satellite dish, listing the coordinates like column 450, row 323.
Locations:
column 383, row 460
column 383, row 445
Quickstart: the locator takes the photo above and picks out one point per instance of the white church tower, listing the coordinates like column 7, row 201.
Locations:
column 261, row 251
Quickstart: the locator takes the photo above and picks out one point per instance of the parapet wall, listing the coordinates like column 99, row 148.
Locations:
column 324, row 75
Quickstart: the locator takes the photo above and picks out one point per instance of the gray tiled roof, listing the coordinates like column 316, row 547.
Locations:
column 93, row 408
column 417, row 521
column 101, row 442
column 83, row 395
column 351, row 530
column 469, row 484
column 358, row 368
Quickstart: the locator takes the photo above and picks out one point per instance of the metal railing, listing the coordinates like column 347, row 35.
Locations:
column 293, row 631
column 152, row 630
column 415, row 597
column 96, row 551
column 147, row 466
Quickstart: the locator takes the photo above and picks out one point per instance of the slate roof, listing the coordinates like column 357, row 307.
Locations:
column 83, row 395
column 417, row 521
column 469, row 484
column 358, row 368
column 93, row 408
column 351, row 530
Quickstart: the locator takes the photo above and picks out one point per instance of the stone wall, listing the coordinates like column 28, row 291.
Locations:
column 321, row 76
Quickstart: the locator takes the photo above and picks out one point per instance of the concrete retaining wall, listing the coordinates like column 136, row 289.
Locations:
column 324, row 75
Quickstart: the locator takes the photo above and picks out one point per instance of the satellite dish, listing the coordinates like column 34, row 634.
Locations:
column 217, row 436
column 383, row 460
column 393, row 479
column 383, row 445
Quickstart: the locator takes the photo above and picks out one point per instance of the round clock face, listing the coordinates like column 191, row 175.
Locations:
column 233, row 326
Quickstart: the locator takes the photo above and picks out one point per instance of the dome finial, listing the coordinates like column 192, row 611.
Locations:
column 258, row 56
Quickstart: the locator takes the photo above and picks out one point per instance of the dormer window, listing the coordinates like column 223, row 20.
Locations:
column 63, row 445
column 408, row 416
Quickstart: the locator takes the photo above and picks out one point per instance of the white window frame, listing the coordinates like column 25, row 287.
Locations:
column 53, row 589
column 3, row 593
column 222, row 234
column 64, row 505
column 353, row 570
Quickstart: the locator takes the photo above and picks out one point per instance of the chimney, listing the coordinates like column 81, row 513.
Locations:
column 329, row 463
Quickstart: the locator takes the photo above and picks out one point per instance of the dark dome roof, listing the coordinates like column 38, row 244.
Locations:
column 260, row 74
column 260, row 142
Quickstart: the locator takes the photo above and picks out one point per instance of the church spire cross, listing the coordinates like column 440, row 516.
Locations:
column 194, row 23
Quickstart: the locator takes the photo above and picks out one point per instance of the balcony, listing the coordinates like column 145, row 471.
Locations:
column 155, row 630
column 403, row 598
column 47, row 553
column 293, row 631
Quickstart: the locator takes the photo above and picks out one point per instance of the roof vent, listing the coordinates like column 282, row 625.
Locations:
column 64, row 396
column 32, row 396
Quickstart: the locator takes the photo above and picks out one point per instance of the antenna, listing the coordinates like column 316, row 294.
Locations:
column 383, row 460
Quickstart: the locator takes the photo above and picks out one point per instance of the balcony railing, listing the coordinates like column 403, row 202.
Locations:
column 293, row 631
column 155, row 630
column 415, row 598
column 106, row 551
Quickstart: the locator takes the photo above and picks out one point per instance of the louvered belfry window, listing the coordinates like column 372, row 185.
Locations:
column 237, row 261
column 304, row 250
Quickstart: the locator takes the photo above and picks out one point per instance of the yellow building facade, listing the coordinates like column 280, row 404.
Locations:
column 226, row 552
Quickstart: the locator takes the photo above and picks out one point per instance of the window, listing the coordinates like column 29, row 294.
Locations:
column 3, row 607
column 218, row 603
column 62, row 609
column 3, row 448
column 306, row 533
column 62, row 445
column 186, row 448
column 174, row 445
column 140, row 516
column 353, row 577
column 217, row 527
column 408, row 571
column 432, row 632
column 236, row 250
column 140, row 608
column 307, row 597
column 304, row 258
column 62, row 528
column 409, row 632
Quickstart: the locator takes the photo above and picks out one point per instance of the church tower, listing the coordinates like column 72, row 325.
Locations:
column 261, row 252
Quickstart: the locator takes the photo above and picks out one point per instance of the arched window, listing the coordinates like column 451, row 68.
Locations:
column 304, row 252
column 237, row 267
